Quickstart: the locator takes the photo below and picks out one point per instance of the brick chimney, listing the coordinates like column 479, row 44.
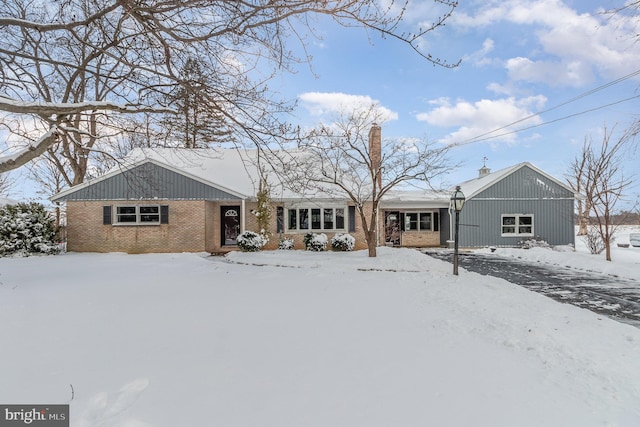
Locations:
column 375, row 151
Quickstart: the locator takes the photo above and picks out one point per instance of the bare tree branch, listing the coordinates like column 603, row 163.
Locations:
column 347, row 159
column 67, row 64
column 598, row 173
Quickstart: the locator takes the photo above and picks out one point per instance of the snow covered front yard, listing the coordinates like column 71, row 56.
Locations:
column 296, row 338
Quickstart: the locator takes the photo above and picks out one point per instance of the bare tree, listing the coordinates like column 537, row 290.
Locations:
column 348, row 160
column 604, row 181
column 46, row 173
column 576, row 178
column 68, row 67
column 5, row 183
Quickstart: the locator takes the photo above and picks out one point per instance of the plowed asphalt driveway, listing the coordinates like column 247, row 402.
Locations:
column 611, row 296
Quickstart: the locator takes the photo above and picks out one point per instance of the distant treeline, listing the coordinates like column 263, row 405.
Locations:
column 623, row 218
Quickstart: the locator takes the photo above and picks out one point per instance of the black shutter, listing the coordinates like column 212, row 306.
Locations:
column 402, row 221
column 106, row 215
column 280, row 219
column 436, row 221
column 164, row 214
column 352, row 219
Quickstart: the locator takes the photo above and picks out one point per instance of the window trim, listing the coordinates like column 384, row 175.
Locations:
column 138, row 214
column 517, row 225
column 432, row 222
column 314, row 227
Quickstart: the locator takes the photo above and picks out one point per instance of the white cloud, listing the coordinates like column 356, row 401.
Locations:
column 554, row 73
column 506, row 89
column 479, row 57
column 327, row 103
column 483, row 117
column 570, row 48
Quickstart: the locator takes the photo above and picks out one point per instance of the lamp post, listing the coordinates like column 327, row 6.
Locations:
column 457, row 200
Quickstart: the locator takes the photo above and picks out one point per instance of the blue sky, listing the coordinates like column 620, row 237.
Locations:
column 519, row 57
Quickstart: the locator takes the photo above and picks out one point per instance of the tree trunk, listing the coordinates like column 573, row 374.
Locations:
column 372, row 242
column 372, row 246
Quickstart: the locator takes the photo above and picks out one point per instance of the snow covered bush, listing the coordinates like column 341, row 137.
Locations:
column 251, row 242
column 26, row 228
column 343, row 242
column 535, row 242
column 315, row 242
column 286, row 243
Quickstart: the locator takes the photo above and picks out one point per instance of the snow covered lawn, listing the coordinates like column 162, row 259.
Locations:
column 306, row 339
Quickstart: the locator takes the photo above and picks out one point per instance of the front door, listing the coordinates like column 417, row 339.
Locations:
column 230, row 216
column 392, row 228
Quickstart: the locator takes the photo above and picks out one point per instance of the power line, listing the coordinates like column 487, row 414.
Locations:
column 478, row 139
column 484, row 136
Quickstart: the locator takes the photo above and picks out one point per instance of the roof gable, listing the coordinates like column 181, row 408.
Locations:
column 146, row 178
column 521, row 177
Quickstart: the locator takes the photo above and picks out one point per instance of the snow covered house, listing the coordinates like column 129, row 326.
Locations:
column 179, row 200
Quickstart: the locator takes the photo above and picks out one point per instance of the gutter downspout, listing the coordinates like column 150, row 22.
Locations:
column 242, row 217
column 450, row 241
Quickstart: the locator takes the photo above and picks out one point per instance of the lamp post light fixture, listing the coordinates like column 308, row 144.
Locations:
column 457, row 201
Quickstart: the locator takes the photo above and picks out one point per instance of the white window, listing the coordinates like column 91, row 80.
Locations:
column 517, row 225
column 316, row 218
column 138, row 215
column 420, row 221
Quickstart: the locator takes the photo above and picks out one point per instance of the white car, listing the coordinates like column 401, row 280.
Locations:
column 634, row 239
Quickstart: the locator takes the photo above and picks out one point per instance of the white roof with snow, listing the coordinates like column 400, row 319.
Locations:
column 230, row 169
column 403, row 199
column 235, row 171
column 475, row 186
column 5, row 201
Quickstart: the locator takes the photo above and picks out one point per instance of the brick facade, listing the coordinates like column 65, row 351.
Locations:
column 185, row 231
column 420, row 239
column 193, row 226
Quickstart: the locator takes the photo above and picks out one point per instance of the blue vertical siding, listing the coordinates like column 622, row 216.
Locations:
column 149, row 181
column 523, row 192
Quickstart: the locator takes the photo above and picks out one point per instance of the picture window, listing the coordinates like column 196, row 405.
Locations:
column 323, row 218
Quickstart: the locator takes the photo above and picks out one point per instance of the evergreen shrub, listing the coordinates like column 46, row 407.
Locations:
column 249, row 241
column 315, row 242
column 26, row 228
column 343, row 242
column 286, row 243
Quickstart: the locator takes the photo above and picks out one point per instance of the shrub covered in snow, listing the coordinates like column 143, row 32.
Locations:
column 251, row 242
column 315, row 242
column 26, row 228
column 343, row 242
column 286, row 243
column 534, row 242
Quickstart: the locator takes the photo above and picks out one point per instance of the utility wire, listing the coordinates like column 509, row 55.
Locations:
column 485, row 136
column 478, row 139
